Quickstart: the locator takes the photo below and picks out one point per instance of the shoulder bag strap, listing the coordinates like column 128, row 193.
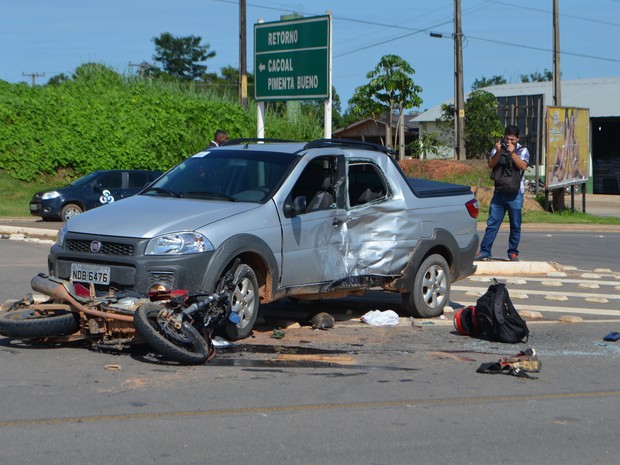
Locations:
column 498, row 303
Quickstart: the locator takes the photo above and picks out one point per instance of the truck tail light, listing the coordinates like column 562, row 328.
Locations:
column 473, row 208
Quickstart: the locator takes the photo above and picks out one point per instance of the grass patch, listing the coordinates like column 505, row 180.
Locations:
column 15, row 195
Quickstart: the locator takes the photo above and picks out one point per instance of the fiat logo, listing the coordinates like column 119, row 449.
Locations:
column 95, row 246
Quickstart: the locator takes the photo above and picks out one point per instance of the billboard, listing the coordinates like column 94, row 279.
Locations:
column 568, row 146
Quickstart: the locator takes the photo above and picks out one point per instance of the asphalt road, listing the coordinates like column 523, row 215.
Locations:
column 352, row 394
column 588, row 249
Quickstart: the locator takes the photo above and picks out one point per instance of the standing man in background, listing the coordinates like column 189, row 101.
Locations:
column 508, row 161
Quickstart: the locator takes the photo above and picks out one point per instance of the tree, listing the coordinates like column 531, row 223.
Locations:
column 482, row 126
column 486, row 82
column 181, row 56
column 58, row 79
column 546, row 75
column 227, row 83
column 390, row 88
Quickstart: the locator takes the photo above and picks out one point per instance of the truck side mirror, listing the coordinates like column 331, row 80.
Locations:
column 296, row 207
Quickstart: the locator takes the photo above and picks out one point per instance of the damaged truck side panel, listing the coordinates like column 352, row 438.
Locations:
column 315, row 220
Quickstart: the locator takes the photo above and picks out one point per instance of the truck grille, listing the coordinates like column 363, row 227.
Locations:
column 107, row 248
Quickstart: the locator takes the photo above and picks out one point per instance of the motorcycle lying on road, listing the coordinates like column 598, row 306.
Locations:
column 179, row 325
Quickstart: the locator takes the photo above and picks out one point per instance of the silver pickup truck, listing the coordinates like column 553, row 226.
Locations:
column 323, row 219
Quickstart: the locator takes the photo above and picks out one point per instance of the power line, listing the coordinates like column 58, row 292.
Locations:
column 543, row 49
column 562, row 15
column 428, row 29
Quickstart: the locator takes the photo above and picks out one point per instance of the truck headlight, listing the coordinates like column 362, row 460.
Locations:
column 180, row 243
column 60, row 237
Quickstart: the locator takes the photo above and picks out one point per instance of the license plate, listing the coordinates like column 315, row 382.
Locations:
column 90, row 274
column 34, row 207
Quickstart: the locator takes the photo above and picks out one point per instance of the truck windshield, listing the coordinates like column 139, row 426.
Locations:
column 225, row 175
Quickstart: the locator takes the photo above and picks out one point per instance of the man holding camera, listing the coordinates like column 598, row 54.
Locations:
column 508, row 160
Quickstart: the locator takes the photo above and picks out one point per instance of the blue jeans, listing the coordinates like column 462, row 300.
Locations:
column 500, row 204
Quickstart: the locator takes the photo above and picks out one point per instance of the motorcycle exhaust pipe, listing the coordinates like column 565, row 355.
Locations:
column 59, row 289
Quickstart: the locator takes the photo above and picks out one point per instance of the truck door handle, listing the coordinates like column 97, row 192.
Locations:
column 337, row 222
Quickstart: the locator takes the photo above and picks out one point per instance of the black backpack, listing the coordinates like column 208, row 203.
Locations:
column 494, row 317
column 506, row 176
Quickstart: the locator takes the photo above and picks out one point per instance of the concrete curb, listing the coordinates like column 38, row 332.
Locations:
column 507, row 268
column 36, row 232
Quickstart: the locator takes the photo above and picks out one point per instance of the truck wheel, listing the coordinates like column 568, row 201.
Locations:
column 69, row 211
column 244, row 302
column 431, row 288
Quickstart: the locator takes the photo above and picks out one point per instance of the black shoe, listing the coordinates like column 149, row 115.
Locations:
column 481, row 257
column 513, row 257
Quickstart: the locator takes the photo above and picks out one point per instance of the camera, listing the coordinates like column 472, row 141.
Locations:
column 504, row 146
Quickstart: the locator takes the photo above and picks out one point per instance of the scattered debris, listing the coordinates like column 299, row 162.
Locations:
column 288, row 324
column 381, row 318
column 518, row 365
column 613, row 336
column 322, row 320
column 112, row 367
column 571, row 319
column 219, row 341
column 278, row 334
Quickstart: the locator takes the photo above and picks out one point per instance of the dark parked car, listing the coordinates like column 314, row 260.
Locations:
column 90, row 191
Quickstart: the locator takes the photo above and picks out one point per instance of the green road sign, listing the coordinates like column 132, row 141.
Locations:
column 291, row 59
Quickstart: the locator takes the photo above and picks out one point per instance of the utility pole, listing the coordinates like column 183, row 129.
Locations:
column 143, row 67
column 243, row 66
column 33, row 76
column 557, row 78
column 459, row 98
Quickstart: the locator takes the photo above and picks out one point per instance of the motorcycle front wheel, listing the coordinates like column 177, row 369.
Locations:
column 184, row 345
column 27, row 323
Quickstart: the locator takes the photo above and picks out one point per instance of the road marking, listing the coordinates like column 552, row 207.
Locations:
column 551, row 282
column 311, row 407
column 544, row 308
column 544, row 293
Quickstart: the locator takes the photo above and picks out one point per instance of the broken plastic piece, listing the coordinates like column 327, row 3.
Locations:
column 613, row 336
column 379, row 318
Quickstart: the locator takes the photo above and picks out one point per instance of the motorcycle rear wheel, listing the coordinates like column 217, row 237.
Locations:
column 194, row 350
column 27, row 323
